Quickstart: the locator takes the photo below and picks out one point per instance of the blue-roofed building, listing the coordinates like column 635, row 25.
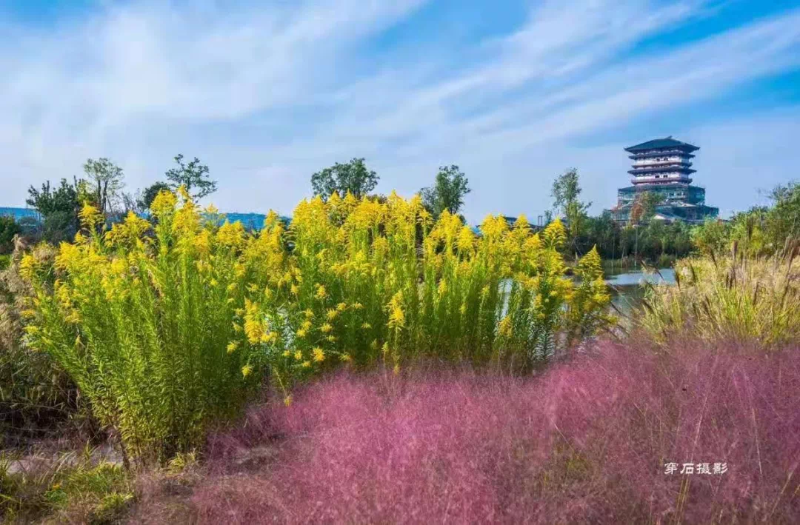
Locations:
column 664, row 166
column 19, row 213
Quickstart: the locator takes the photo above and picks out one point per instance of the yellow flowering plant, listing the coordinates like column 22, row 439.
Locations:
column 167, row 323
column 141, row 317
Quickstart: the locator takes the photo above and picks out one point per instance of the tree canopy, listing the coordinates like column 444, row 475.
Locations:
column 193, row 176
column 353, row 177
column 566, row 192
column 149, row 194
column 448, row 191
column 103, row 183
column 58, row 207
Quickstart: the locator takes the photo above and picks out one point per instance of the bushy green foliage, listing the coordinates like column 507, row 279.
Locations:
column 648, row 241
column 761, row 231
column 8, row 229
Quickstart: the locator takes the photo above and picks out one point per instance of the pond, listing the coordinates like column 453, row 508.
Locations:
column 627, row 292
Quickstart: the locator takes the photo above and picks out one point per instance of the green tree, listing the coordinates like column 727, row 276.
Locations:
column 194, row 176
column 447, row 193
column 644, row 206
column 566, row 193
column 8, row 229
column 59, row 209
column 104, row 183
column 353, row 177
column 149, row 194
column 713, row 236
column 783, row 219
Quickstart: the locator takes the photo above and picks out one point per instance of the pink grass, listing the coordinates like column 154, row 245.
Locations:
column 584, row 443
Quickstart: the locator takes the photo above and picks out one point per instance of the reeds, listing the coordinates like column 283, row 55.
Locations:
column 735, row 297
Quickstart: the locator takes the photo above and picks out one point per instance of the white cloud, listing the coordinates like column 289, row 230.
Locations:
column 267, row 94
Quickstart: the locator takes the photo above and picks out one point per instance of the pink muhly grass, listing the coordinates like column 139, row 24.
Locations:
column 585, row 442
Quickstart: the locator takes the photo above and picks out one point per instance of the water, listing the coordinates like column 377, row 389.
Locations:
column 627, row 292
column 637, row 277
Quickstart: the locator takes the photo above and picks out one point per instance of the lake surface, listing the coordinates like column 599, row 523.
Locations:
column 627, row 291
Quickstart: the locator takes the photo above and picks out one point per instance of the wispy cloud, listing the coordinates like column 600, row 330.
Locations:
column 268, row 93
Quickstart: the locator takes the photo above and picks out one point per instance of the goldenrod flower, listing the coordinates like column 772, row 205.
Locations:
column 326, row 328
column 232, row 346
column 319, row 355
column 246, row 370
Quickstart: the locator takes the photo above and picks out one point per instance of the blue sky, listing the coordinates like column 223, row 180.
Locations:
column 514, row 92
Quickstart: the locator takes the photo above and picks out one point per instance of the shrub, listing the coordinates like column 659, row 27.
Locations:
column 140, row 321
column 587, row 442
column 8, row 229
column 738, row 297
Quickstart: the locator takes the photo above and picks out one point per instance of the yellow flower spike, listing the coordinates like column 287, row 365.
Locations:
column 232, row 346
column 247, row 370
column 301, row 333
column 321, row 292
column 341, row 307
column 287, row 353
column 346, row 358
column 164, row 203
column 309, row 313
column 326, row 328
column 319, row 355
column 306, row 364
column 331, row 314
column 287, row 400
column 366, row 326
column 298, row 355
column 331, row 338
column 90, row 217
column 504, row 327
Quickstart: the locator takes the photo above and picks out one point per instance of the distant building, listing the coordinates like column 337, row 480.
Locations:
column 664, row 167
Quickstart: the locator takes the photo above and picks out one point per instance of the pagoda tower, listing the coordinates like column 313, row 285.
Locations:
column 664, row 167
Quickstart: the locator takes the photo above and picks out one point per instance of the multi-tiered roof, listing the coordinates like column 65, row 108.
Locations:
column 664, row 167
column 662, row 161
